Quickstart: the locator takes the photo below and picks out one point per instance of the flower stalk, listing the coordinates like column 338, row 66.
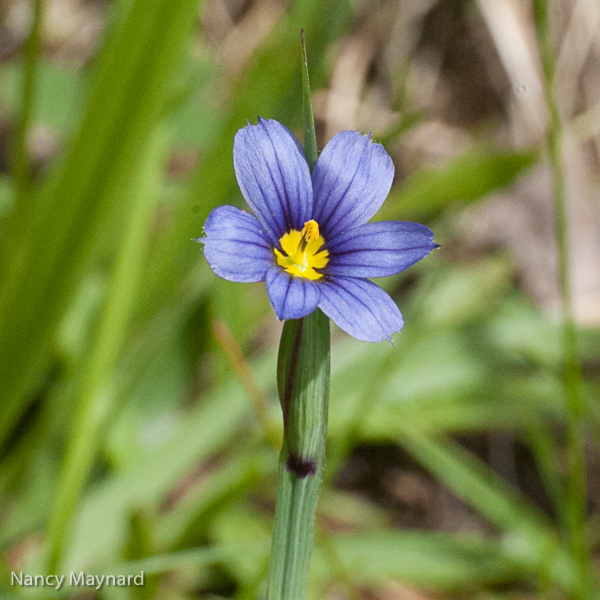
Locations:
column 303, row 382
column 311, row 242
column 303, row 372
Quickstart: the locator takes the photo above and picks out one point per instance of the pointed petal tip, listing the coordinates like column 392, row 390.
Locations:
column 378, row 249
column 390, row 338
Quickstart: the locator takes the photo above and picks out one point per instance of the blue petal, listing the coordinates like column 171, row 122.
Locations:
column 291, row 297
column 273, row 176
column 360, row 308
column 378, row 249
column 235, row 246
column 351, row 179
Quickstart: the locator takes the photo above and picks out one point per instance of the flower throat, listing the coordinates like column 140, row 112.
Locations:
column 301, row 254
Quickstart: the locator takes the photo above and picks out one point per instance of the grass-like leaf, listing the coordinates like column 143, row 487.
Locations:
column 49, row 241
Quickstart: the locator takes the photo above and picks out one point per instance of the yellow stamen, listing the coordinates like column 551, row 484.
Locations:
column 301, row 254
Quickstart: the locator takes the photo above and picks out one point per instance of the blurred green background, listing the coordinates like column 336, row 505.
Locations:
column 139, row 423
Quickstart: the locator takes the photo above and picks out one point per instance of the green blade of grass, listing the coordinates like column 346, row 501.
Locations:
column 435, row 560
column 20, row 159
column 576, row 486
column 47, row 245
column 464, row 179
column 95, row 396
column 529, row 537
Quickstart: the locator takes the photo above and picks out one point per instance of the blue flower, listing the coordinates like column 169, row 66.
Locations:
column 310, row 240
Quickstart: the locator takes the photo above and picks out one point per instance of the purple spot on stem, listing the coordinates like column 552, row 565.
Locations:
column 301, row 467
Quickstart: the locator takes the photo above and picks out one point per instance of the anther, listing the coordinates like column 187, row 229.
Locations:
column 310, row 232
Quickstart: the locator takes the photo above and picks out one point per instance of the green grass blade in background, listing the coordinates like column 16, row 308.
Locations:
column 21, row 169
column 95, row 398
column 576, row 478
column 213, row 425
column 58, row 95
column 429, row 559
column 528, row 535
column 48, row 244
column 463, row 179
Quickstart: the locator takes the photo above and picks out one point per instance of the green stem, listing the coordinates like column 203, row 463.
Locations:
column 576, row 485
column 21, row 169
column 303, row 382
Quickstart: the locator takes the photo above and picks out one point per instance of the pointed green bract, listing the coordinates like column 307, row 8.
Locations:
column 310, row 139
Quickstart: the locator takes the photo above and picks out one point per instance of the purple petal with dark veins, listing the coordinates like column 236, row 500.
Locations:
column 378, row 249
column 291, row 297
column 351, row 179
column 360, row 308
column 273, row 176
column 235, row 245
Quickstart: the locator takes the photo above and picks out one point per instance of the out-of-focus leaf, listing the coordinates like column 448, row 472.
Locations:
column 521, row 331
column 463, row 179
column 102, row 522
column 465, row 293
column 49, row 240
column 498, row 403
column 439, row 561
column 196, row 558
column 528, row 535
column 435, row 560
column 57, row 97
column 189, row 521
column 240, row 524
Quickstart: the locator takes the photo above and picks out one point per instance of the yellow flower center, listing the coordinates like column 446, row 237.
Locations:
column 301, row 254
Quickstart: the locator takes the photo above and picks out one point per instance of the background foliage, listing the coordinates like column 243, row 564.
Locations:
column 140, row 427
